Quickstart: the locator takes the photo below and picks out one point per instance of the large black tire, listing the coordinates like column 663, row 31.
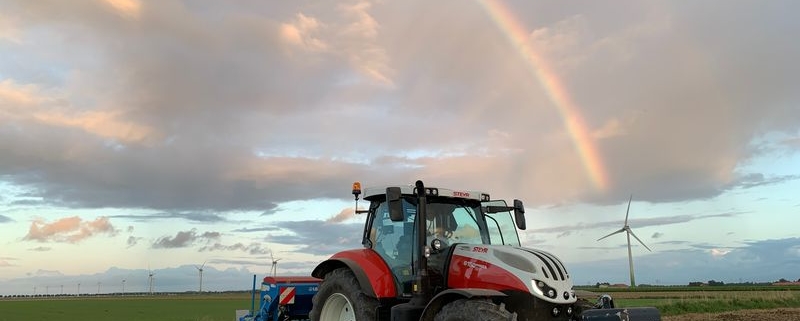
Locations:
column 474, row 310
column 340, row 299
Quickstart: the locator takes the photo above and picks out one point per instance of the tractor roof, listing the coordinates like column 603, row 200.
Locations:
column 431, row 191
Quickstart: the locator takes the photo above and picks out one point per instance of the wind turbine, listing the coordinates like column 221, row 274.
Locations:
column 274, row 270
column 626, row 228
column 150, row 275
column 200, row 270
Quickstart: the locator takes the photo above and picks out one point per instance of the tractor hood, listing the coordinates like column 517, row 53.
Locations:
column 503, row 267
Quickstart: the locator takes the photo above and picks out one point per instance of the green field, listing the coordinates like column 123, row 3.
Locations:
column 681, row 300
column 221, row 307
column 144, row 308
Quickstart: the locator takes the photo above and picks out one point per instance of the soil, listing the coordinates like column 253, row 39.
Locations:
column 783, row 314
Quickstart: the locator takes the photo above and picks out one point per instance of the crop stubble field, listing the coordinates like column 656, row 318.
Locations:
column 676, row 305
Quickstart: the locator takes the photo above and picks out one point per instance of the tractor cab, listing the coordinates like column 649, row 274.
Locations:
column 453, row 217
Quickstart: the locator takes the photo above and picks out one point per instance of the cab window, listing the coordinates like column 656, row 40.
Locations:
column 501, row 226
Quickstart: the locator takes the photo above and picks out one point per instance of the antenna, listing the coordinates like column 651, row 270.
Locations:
column 274, row 270
column 626, row 228
column 200, row 270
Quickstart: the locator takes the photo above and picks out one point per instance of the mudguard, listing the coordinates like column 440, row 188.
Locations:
column 372, row 273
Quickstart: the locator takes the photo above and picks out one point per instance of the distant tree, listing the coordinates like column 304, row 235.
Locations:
column 782, row 280
column 715, row 283
column 695, row 283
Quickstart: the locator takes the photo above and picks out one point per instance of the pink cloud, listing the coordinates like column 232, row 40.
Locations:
column 69, row 229
column 344, row 215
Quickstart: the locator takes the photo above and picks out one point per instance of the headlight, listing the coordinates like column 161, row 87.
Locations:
column 544, row 289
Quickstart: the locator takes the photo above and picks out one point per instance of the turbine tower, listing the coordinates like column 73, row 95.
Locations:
column 200, row 270
column 274, row 270
column 626, row 228
column 150, row 275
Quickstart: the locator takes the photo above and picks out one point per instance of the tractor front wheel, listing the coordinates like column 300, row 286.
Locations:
column 474, row 309
column 340, row 299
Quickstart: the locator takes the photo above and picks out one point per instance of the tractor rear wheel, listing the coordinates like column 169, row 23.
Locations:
column 340, row 299
column 474, row 309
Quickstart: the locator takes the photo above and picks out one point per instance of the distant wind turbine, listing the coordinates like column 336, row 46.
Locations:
column 150, row 275
column 200, row 270
column 274, row 270
column 629, row 232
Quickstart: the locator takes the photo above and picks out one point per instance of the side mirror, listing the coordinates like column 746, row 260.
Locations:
column 394, row 197
column 519, row 214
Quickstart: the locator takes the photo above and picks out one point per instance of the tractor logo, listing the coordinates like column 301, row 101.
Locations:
column 460, row 194
column 479, row 249
column 474, row 265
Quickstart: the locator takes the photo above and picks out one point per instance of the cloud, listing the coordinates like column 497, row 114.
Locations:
column 47, row 273
column 256, row 229
column 300, row 33
column 637, row 223
column 132, row 241
column 719, row 252
column 252, row 248
column 194, row 217
column 5, row 219
column 318, row 237
column 657, row 235
column 7, row 262
column 126, row 8
column 69, row 229
column 344, row 215
column 203, row 115
column 41, row 249
column 757, row 179
column 184, row 239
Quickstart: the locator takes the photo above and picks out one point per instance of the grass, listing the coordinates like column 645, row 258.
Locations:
column 221, row 307
column 674, row 303
column 159, row 308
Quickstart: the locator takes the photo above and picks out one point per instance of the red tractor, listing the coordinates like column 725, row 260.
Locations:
column 439, row 254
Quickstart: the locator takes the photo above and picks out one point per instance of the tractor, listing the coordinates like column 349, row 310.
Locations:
column 439, row 254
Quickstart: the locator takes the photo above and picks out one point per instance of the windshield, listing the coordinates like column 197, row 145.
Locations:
column 455, row 222
column 501, row 226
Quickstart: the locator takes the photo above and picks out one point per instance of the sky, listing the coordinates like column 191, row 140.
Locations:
column 143, row 137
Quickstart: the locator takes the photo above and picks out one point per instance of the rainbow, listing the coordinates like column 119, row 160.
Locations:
column 556, row 92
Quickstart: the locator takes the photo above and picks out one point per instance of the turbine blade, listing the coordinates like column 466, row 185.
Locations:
column 629, row 210
column 640, row 241
column 617, row 232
